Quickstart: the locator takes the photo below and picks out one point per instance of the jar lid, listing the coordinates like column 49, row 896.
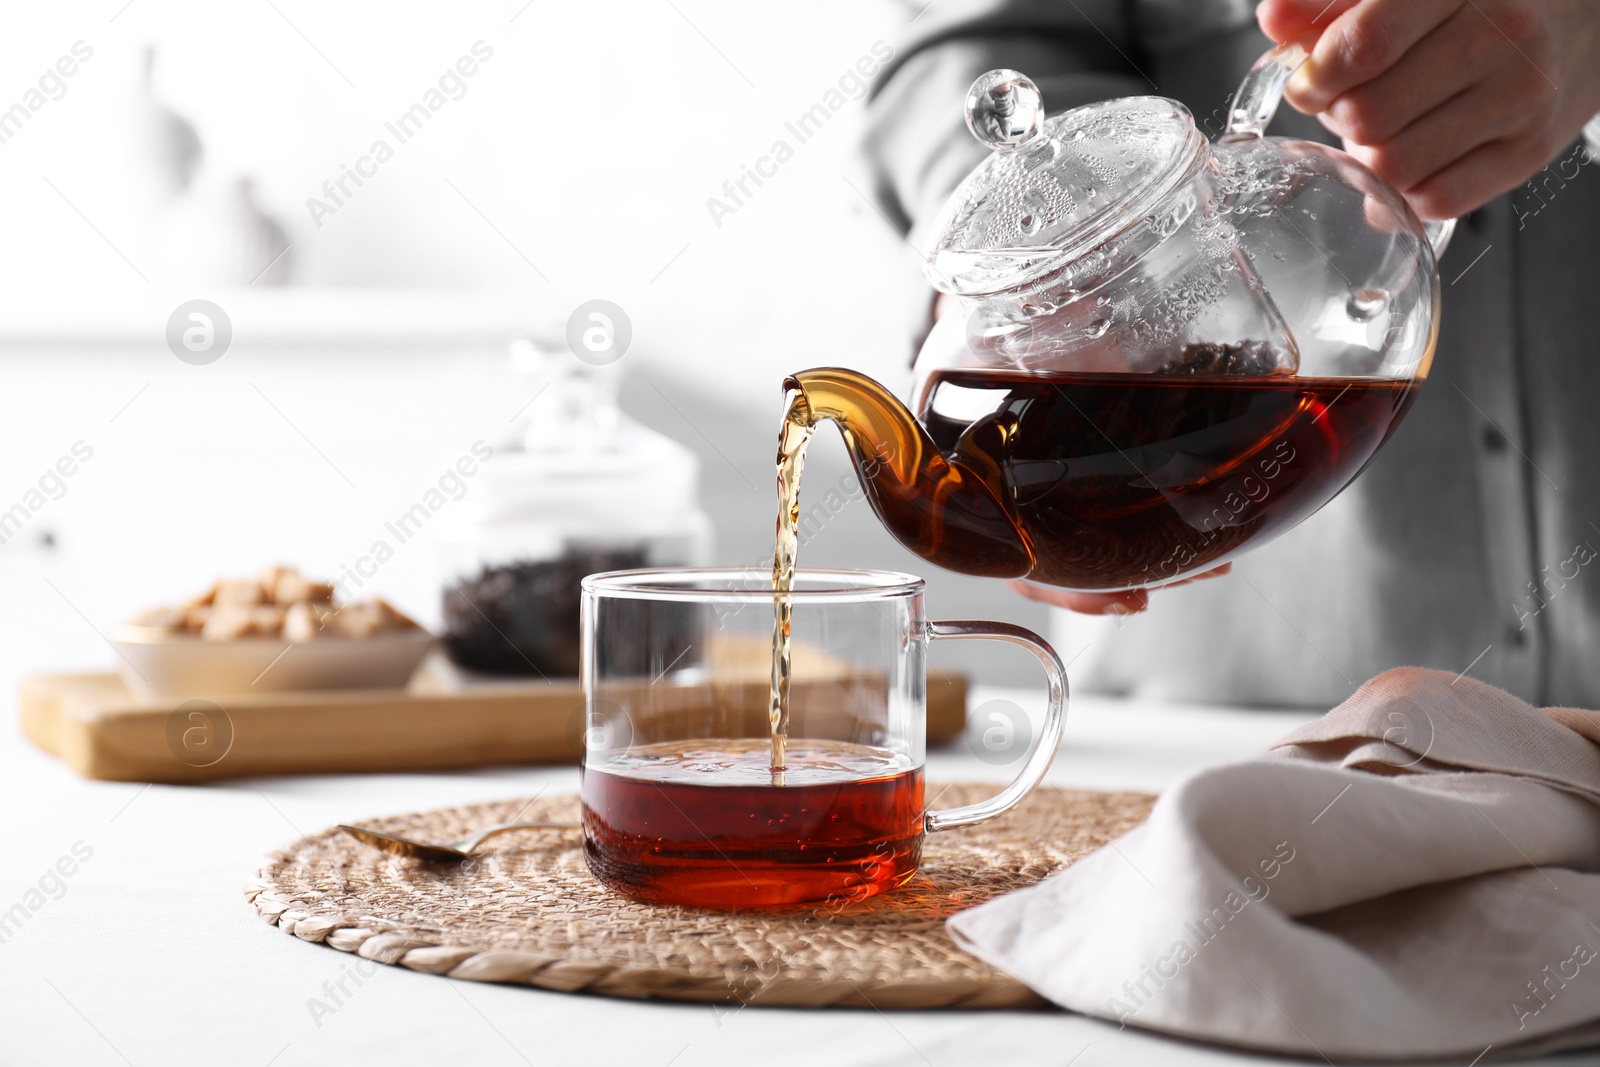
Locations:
column 642, row 470
column 1052, row 189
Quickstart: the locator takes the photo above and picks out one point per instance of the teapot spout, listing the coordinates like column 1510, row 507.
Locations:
column 950, row 510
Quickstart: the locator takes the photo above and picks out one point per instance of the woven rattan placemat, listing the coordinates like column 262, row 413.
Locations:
column 529, row 912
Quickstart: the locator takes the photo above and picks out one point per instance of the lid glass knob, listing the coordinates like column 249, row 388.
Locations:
column 1005, row 109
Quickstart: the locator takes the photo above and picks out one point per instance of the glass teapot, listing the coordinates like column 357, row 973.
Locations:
column 1159, row 350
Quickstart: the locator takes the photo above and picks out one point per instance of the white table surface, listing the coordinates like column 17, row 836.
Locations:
column 153, row 957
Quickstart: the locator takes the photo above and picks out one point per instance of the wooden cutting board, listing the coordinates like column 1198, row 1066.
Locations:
column 95, row 725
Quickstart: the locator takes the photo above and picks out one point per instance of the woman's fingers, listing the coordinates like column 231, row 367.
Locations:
column 1123, row 603
column 1479, row 176
column 1452, row 101
column 1443, row 140
column 1446, row 134
column 1293, row 20
column 1361, row 44
column 1443, row 64
column 1214, row 572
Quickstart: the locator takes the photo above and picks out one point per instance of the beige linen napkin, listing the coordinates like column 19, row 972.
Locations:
column 1414, row 875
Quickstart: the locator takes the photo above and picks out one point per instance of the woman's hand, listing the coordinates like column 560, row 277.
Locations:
column 1104, row 603
column 1452, row 101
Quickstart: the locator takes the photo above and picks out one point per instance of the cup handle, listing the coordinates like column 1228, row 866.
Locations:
column 1044, row 749
column 1257, row 100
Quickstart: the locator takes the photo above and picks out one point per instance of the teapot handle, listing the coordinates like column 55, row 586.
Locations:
column 1257, row 100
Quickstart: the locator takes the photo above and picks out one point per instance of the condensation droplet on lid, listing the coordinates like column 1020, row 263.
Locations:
column 1364, row 305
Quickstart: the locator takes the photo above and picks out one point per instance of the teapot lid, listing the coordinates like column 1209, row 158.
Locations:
column 1051, row 189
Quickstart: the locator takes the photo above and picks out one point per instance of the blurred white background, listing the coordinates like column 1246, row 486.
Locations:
column 575, row 163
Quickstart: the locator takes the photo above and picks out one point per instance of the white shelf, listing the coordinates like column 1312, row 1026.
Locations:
column 284, row 318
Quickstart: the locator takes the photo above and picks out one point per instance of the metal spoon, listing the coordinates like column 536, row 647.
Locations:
column 450, row 852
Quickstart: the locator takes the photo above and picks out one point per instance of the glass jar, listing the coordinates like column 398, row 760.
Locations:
column 578, row 489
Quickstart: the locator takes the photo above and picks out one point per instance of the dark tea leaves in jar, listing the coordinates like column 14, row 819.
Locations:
column 522, row 618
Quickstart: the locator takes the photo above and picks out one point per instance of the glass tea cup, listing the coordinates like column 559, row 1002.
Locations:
column 682, row 803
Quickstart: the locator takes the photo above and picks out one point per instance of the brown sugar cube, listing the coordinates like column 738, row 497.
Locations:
column 293, row 588
column 243, row 592
column 167, row 620
column 266, row 620
column 393, row 617
column 365, row 618
column 269, row 578
column 195, row 617
column 227, row 622
column 303, row 622
column 356, row 620
column 204, row 600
